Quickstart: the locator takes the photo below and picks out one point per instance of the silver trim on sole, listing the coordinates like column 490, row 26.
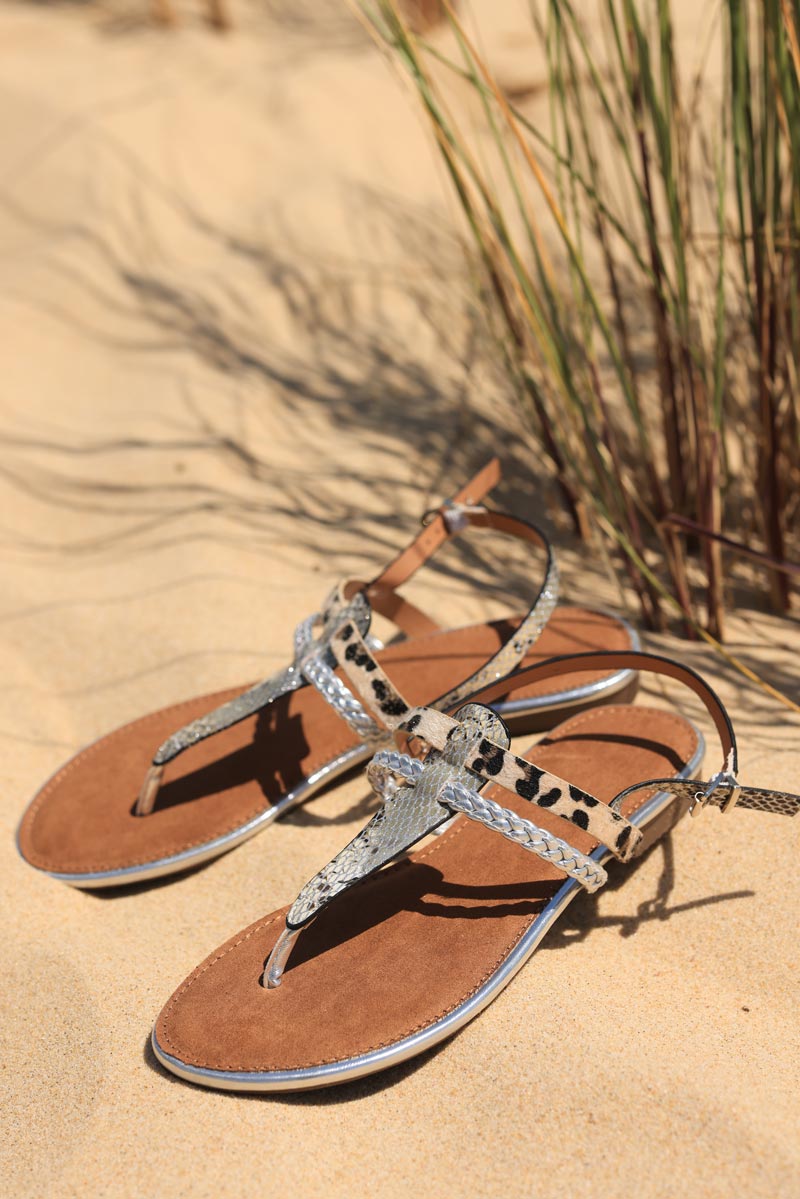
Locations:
column 350, row 1069
column 214, row 849
column 350, row 760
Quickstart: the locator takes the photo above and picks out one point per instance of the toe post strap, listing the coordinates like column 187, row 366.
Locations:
column 278, row 959
column 419, row 796
column 412, row 808
column 313, row 664
column 442, row 763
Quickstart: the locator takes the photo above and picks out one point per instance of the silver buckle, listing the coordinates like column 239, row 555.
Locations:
column 723, row 778
column 454, row 514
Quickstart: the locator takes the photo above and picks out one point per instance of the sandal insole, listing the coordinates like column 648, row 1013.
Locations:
column 400, row 951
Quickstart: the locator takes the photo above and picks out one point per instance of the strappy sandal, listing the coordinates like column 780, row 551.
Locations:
column 385, row 970
column 241, row 760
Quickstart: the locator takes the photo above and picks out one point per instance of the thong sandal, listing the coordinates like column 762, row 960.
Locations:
column 241, row 760
column 386, row 969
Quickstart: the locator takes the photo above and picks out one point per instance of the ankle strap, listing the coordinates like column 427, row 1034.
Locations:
column 439, row 525
column 612, row 660
column 348, row 605
column 723, row 789
column 452, row 517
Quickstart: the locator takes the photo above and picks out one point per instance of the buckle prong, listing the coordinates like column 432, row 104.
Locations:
column 723, row 778
column 454, row 513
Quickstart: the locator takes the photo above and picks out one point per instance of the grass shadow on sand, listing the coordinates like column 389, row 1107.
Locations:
column 358, row 348
column 385, row 355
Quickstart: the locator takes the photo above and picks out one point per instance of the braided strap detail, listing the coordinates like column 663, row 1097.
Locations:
column 388, row 765
column 342, row 700
column 394, row 762
column 524, row 833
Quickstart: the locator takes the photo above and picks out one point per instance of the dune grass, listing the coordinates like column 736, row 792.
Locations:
column 640, row 266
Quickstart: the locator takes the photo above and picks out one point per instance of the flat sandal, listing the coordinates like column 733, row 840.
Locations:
column 384, row 953
column 147, row 800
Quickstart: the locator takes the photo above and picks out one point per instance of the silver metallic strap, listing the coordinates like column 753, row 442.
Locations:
column 409, row 812
column 418, row 797
column 228, row 714
column 342, row 700
column 387, row 764
column 336, row 610
column 224, row 717
column 497, row 764
column 524, row 833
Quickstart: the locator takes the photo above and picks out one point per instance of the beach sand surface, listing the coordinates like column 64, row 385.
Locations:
column 238, row 360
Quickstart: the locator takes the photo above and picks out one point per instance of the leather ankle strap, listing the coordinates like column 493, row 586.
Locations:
column 611, row 660
column 453, row 517
column 723, row 789
column 438, row 529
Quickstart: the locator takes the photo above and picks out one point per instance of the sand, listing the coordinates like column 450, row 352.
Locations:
column 238, row 360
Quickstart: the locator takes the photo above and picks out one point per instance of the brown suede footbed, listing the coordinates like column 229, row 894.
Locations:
column 400, row 951
column 82, row 821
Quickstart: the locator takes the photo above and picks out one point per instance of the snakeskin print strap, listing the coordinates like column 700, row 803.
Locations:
column 495, row 763
column 463, row 753
column 723, row 790
column 457, row 518
column 353, row 655
column 528, row 631
column 312, row 657
column 387, row 766
column 350, row 606
column 410, row 810
column 419, row 796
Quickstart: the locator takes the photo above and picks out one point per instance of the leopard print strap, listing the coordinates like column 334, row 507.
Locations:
column 408, row 813
column 496, row 763
column 388, row 766
column 375, row 687
column 417, row 798
column 351, row 603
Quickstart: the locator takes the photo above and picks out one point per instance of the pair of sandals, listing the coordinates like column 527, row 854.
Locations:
column 385, row 952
